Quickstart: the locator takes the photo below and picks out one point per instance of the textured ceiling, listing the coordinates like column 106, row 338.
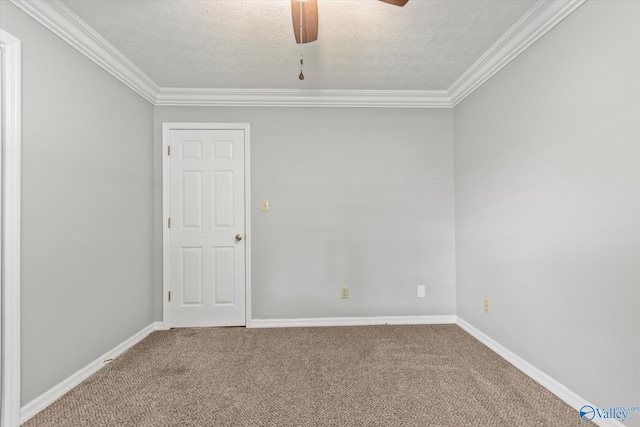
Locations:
column 362, row 44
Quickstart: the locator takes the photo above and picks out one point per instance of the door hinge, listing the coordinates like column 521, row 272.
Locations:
column 169, row 222
column 168, row 150
column 169, row 296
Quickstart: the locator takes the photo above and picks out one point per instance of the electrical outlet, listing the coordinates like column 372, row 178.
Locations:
column 344, row 293
column 421, row 291
column 487, row 306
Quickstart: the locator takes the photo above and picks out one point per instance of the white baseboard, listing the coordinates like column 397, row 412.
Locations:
column 353, row 321
column 555, row 387
column 47, row 398
column 159, row 326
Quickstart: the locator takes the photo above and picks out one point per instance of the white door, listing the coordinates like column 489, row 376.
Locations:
column 206, row 227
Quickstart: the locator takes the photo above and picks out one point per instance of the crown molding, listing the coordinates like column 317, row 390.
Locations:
column 542, row 17
column 302, row 98
column 58, row 18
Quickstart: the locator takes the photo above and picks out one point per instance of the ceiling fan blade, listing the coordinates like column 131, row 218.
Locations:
column 309, row 20
column 396, row 2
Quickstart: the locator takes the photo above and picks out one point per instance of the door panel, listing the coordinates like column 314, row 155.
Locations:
column 206, row 207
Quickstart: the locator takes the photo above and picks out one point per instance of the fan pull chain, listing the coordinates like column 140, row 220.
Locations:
column 301, row 75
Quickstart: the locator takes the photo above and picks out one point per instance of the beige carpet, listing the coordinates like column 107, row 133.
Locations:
column 435, row 375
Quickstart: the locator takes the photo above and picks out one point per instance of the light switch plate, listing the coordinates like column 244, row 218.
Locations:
column 265, row 206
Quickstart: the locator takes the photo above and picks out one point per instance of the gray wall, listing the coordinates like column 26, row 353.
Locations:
column 547, row 157
column 358, row 197
column 86, row 208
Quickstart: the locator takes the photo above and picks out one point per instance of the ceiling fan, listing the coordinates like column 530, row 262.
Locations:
column 305, row 18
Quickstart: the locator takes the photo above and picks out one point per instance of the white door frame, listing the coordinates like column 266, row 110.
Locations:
column 10, row 170
column 166, row 129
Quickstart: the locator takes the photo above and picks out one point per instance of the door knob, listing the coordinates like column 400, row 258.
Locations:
column 238, row 237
